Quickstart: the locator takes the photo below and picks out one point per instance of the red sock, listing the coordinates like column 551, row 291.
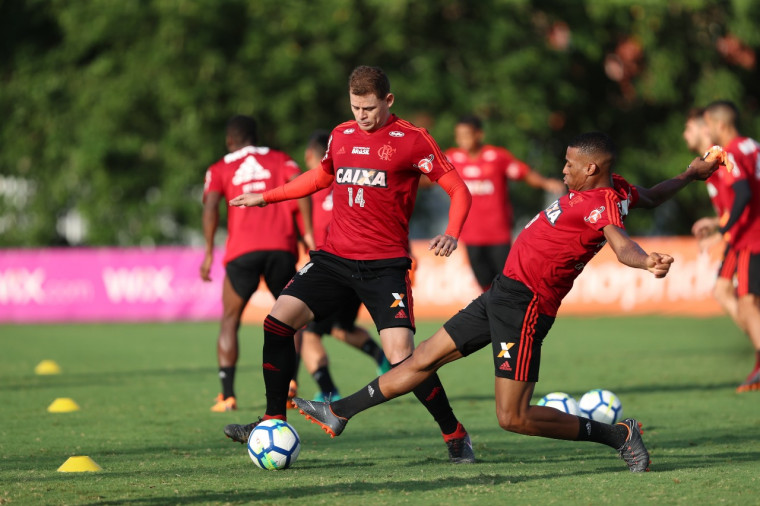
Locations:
column 757, row 361
column 284, row 418
column 457, row 434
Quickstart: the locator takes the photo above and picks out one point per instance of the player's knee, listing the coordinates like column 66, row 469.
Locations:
column 512, row 421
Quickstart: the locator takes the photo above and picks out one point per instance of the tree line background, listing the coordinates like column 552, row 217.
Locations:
column 111, row 110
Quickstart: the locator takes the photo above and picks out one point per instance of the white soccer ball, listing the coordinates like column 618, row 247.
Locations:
column 601, row 405
column 274, row 444
column 560, row 401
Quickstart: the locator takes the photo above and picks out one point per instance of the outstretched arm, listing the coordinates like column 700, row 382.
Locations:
column 461, row 200
column 631, row 254
column 305, row 184
column 698, row 169
column 548, row 184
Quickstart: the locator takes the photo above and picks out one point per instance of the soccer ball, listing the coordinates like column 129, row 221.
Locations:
column 601, row 405
column 274, row 444
column 560, row 401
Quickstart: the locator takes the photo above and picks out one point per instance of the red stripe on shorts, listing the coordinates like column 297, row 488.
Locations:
column 526, row 340
column 728, row 268
column 742, row 272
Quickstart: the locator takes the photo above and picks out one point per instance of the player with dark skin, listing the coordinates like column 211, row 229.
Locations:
column 233, row 304
column 587, row 174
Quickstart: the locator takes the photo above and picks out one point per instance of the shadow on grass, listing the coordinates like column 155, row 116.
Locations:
column 88, row 379
column 358, row 490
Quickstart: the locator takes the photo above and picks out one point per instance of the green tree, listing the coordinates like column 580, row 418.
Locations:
column 113, row 109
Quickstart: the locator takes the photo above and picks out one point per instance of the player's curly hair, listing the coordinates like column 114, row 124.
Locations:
column 243, row 129
column 365, row 80
column 595, row 143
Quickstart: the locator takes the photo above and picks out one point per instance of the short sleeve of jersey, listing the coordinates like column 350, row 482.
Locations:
column 428, row 157
column 213, row 182
column 739, row 171
column 290, row 167
column 515, row 169
column 621, row 185
column 327, row 160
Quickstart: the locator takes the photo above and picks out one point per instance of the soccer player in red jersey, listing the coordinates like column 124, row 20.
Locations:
column 259, row 241
column 743, row 223
column 486, row 170
column 341, row 325
column 721, row 195
column 374, row 164
column 516, row 313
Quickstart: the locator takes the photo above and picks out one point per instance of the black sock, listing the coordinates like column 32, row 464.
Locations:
column 598, row 432
column 363, row 399
column 227, row 375
column 296, row 366
column 432, row 395
column 279, row 360
column 324, row 380
column 371, row 348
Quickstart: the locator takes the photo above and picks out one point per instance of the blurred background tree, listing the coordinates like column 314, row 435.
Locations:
column 112, row 109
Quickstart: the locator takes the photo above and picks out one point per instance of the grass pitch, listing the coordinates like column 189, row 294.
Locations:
column 145, row 392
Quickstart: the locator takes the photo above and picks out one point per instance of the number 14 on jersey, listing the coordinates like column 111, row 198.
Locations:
column 359, row 197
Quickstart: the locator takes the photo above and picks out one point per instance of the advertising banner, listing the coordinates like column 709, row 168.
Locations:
column 163, row 284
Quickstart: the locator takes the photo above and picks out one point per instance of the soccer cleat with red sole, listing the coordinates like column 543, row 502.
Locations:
column 321, row 414
column 751, row 383
column 633, row 451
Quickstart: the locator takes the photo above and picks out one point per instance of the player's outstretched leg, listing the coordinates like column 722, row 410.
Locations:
column 633, row 451
column 322, row 414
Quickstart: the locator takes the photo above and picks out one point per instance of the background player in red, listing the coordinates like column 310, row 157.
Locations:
column 721, row 195
column 341, row 325
column 487, row 170
column 516, row 313
column 375, row 161
column 743, row 223
column 259, row 241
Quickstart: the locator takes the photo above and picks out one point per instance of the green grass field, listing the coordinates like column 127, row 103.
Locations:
column 145, row 392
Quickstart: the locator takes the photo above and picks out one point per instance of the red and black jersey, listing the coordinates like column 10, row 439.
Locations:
column 744, row 153
column 254, row 169
column 321, row 214
column 376, row 177
column 557, row 244
column 486, row 176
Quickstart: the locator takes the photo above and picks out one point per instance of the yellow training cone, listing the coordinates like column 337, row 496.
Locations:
column 63, row 405
column 79, row 465
column 47, row 367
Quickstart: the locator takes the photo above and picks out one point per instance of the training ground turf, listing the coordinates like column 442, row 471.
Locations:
column 145, row 392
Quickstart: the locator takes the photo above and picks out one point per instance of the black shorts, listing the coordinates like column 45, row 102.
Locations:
column 728, row 264
column 328, row 283
column 344, row 318
column 747, row 273
column 244, row 272
column 487, row 261
column 506, row 316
